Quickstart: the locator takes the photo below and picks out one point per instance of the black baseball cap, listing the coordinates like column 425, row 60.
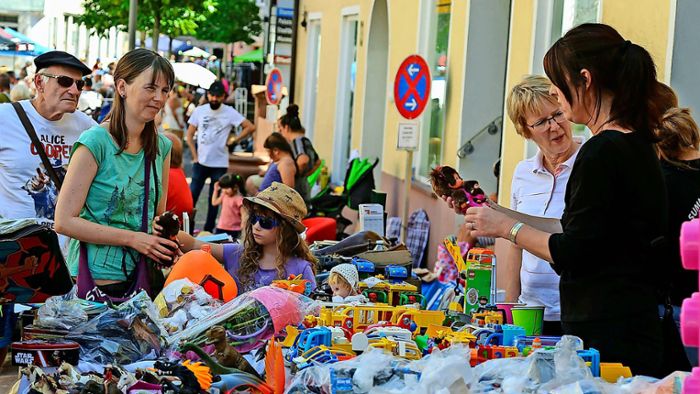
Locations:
column 217, row 89
column 61, row 58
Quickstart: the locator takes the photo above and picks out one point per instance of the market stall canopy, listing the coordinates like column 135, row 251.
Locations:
column 194, row 74
column 163, row 43
column 253, row 56
column 196, row 52
column 25, row 46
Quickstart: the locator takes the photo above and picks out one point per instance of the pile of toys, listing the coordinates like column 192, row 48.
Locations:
column 389, row 334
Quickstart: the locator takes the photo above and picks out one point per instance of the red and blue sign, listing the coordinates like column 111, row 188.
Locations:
column 412, row 87
column 273, row 90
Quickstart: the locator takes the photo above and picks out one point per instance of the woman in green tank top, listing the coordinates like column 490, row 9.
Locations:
column 103, row 205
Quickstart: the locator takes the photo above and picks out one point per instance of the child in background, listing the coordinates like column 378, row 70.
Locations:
column 272, row 246
column 179, row 196
column 343, row 280
column 228, row 192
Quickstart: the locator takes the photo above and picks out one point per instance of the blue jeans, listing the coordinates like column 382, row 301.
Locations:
column 200, row 174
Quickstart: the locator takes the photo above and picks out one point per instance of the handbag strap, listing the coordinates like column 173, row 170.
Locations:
column 37, row 144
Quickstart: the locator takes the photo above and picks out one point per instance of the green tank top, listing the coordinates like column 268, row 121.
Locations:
column 115, row 199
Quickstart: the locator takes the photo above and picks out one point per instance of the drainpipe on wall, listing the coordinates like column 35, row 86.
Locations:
column 293, row 68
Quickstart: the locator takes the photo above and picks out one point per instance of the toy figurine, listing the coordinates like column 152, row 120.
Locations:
column 225, row 354
column 171, row 226
column 446, row 181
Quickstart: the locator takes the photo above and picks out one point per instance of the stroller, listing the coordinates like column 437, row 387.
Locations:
column 358, row 186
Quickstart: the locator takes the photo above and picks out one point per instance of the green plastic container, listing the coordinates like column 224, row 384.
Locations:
column 530, row 318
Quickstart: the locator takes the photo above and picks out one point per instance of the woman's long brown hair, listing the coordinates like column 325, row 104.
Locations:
column 289, row 245
column 129, row 67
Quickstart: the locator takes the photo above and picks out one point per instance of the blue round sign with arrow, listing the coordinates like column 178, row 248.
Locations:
column 412, row 87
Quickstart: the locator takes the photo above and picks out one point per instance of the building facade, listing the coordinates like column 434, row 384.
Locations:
column 52, row 24
column 348, row 53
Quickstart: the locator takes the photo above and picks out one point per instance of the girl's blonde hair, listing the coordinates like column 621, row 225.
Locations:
column 289, row 245
column 677, row 132
column 335, row 278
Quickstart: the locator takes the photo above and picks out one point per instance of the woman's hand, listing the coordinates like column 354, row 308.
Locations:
column 487, row 222
column 153, row 246
column 452, row 205
column 157, row 228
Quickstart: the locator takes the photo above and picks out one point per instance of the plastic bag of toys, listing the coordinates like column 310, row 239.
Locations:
column 252, row 318
column 129, row 333
column 182, row 303
column 61, row 312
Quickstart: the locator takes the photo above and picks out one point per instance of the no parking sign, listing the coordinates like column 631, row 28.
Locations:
column 412, row 87
column 273, row 91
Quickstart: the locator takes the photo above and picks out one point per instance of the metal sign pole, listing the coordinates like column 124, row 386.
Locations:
column 406, row 194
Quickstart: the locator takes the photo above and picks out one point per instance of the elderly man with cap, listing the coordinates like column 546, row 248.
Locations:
column 27, row 186
column 213, row 123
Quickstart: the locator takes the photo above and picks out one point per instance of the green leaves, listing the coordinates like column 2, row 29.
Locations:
column 214, row 20
column 231, row 21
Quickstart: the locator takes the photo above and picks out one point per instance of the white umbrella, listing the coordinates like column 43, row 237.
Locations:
column 194, row 74
column 196, row 52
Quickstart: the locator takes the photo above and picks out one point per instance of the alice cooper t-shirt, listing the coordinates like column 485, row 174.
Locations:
column 26, row 190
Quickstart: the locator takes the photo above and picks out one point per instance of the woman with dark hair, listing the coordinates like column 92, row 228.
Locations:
column 303, row 152
column 609, row 241
column 282, row 169
column 117, row 182
column 679, row 152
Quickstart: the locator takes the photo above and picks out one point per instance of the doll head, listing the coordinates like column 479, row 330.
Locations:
column 343, row 280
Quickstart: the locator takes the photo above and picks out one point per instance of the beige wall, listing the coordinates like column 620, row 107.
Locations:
column 519, row 64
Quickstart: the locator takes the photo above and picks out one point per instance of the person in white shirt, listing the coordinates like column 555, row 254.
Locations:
column 26, row 190
column 538, row 187
column 90, row 100
column 213, row 123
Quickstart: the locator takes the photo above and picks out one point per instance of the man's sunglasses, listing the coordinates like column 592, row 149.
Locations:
column 266, row 222
column 65, row 81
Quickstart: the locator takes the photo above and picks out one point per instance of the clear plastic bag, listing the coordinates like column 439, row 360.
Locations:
column 252, row 318
column 129, row 333
column 62, row 312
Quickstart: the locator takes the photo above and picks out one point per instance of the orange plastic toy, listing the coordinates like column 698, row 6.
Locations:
column 200, row 267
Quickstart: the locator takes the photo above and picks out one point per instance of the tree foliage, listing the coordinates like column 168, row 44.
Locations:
column 214, row 20
column 232, row 21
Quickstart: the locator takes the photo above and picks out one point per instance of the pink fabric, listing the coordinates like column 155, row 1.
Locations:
column 230, row 218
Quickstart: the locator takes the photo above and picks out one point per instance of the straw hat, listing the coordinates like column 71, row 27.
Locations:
column 283, row 200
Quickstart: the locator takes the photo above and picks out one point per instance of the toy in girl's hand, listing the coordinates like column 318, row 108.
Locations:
column 446, row 181
column 171, row 226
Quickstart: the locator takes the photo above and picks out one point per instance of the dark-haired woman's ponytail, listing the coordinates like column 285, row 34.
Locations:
column 291, row 118
column 639, row 103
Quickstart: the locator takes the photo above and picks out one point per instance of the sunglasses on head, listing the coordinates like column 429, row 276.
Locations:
column 266, row 222
column 66, row 81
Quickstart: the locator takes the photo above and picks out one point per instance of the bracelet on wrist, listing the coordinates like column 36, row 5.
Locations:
column 514, row 232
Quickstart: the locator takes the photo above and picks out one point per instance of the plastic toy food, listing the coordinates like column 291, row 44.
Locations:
column 200, row 267
column 446, row 181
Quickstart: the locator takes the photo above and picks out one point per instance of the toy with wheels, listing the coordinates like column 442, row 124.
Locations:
column 375, row 295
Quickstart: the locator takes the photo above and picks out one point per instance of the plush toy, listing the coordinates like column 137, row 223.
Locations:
column 446, row 181
column 171, row 226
